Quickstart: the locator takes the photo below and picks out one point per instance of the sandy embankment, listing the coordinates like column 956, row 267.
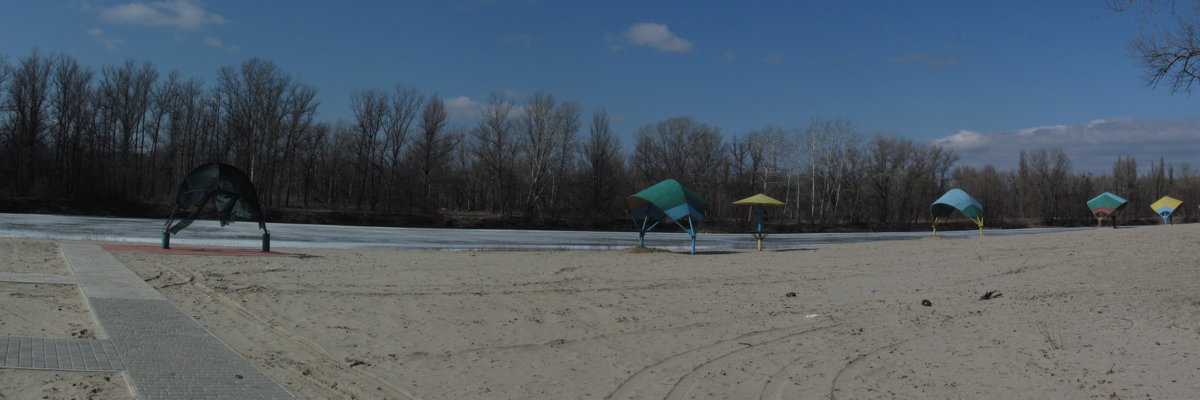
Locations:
column 1091, row 314
column 48, row 311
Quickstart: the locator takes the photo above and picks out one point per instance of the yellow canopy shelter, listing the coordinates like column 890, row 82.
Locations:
column 1165, row 206
column 759, row 201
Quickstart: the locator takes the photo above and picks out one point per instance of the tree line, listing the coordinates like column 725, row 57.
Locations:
column 128, row 134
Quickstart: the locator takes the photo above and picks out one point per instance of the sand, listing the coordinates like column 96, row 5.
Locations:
column 1106, row 313
column 47, row 311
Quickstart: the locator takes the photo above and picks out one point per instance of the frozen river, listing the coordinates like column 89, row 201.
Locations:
column 246, row 234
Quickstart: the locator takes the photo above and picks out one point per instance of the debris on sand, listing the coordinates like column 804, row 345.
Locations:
column 991, row 294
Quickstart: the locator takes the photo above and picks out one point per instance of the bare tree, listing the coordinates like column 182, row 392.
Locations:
column 828, row 152
column 688, row 151
column 768, row 148
column 261, row 108
column 432, row 147
column 1169, row 56
column 406, row 105
column 566, row 129
column 1049, row 172
column 28, row 118
column 601, row 165
column 73, row 112
column 126, row 92
column 370, row 108
column 889, row 158
column 496, row 149
column 540, row 125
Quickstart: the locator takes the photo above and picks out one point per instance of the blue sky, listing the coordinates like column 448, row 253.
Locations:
column 984, row 78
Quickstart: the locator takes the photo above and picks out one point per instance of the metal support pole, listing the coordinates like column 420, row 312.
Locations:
column 266, row 243
column 166, row 239
column 692, row 231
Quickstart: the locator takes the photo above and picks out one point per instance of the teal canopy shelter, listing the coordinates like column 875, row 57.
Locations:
column 229, row 189
column 1106, row 205
column 667, row 201
column 956, row 199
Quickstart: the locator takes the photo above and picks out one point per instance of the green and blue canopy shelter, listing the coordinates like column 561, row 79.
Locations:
column 1166, row 206
column 1106, row 205
column 956, row 200
column 667, row 201
column 758, row 202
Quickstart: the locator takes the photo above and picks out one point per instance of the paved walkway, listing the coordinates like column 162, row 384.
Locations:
column 55, row 279
column 58, row 354
column 166, row 354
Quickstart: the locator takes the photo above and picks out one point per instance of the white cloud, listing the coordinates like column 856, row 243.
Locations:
column 212, row 42
column 963, row 140
column 179, row 14
column 657, row 36
column 1092, row 146
column 463, row 108
column 105, row 40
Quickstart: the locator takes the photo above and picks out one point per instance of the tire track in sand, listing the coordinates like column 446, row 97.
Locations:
column 661, row 379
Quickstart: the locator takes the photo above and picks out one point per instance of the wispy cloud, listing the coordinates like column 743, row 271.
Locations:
column 773, row 58
column 653, row 35
column 217, row 44
column 928, row 60
column 1092, row 146
column 178, row 14
column 107, row 41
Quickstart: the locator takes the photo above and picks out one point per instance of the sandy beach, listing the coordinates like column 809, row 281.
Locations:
column 1106, row 313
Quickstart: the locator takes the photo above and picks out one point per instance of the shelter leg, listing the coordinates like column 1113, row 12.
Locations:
column 642, row 232
column 166, row 239
column 266, row 243
column 760, row 218
column 692, row 232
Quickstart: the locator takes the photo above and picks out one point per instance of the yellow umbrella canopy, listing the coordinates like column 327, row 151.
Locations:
column 759, row 200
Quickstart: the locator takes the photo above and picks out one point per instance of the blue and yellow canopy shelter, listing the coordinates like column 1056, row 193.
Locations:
column 1166, row 206
column 1106, row 205
column 956, row 200
column 667, row 201
column 758, row 202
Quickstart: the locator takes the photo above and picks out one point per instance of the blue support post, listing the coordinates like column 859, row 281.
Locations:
column 759, row 208
column 692, row 232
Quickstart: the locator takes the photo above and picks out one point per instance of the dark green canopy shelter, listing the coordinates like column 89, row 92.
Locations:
column 230, row 191
column 667, row 201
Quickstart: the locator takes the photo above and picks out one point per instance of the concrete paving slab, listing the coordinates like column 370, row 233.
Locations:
column 53, row 279
column 166, row 353
column 23, row 352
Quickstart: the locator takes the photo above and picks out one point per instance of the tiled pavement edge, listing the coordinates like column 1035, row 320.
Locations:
column 167, row 354
column 17, row 277
column 59, row 354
